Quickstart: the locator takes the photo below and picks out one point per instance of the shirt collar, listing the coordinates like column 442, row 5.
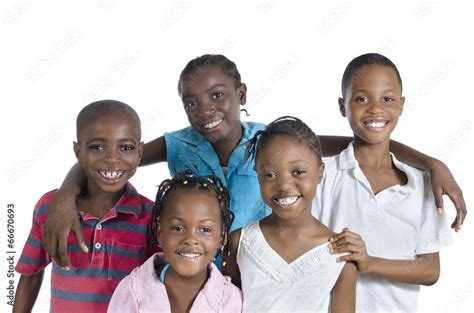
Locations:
column 348, row 161
column 129, row 203
column 193, row 137
column 215, row 286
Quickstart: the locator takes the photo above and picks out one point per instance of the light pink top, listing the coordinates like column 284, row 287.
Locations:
column 141, row 291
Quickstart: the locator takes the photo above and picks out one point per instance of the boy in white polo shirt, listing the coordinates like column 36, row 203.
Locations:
column 395, row 231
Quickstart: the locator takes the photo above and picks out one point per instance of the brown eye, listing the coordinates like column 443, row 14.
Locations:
column 216, row 95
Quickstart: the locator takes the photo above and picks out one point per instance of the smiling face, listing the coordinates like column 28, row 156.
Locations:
column 109, row 150
column 373, row 103
column 190, row 231
column 212, row 104
column 288, row 174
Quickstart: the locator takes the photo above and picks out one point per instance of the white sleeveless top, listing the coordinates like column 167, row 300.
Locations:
column 270, row 284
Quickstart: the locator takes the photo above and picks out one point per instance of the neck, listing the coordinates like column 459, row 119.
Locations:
column 173, row 278
column 372, row 155
column 98, row 203
column 225, row 147
column 292, row 224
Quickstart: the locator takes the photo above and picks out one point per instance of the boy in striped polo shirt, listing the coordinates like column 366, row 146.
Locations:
column 115, row 219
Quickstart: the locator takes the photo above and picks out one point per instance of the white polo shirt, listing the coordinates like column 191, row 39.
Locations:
column 397, row 223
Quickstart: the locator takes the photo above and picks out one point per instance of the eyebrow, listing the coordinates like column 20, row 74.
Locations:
column 202, row 220
column 212, row 87
column 365, row 90
column 267, row 164
column 101, row 139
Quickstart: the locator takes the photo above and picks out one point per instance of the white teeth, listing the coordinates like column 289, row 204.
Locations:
column 287, row 200
column 189, row 255
column 375, row 124
column 111, row 175
column 213, row 124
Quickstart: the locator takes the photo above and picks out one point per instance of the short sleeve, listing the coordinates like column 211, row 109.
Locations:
column 434, row 229
column 170, row 143
column 33, row 257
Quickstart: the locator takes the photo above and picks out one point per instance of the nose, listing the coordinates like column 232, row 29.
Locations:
column 191, row 237
column 375, row 107
column 206, row 107
column 111, row 155
column 284, row 183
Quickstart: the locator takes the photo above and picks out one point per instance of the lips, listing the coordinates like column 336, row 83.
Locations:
column 375, row 124
column 191, row 256
column 213, row 124
column 287, row 200
column 111, row 175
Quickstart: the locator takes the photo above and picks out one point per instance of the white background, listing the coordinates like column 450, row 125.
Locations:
column 56, row 57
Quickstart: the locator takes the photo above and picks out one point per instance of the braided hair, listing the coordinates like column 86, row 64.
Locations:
column 198, row 66
column 185, row 180
column 284, row 126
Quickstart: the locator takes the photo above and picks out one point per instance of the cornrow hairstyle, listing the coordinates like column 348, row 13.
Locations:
column 198, row 66
column 284, row 126
column 362, row 61
column 185, row 180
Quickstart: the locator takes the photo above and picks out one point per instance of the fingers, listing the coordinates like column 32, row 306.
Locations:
column 77, row 230
column 345, row 233
column 62, row 257
column 461, row 211
column 438, row 196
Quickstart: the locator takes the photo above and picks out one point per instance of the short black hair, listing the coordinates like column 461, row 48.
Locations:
column 284, row 126
column 196, row 67
column 97, row 109
column 185, row 181
column 362, row 61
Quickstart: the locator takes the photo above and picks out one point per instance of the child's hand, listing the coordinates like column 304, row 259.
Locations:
column 62, row 219
column 443, row 183
column 352, row 243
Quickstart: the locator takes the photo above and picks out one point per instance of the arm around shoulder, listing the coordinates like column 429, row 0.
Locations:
column 154, row 152
column 229, row 260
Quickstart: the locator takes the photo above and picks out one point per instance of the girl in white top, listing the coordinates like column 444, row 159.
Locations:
column 282, row 262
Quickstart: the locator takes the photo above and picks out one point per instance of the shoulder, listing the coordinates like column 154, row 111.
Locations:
column 44, row 204
column 187, row 134
column 231, row 295
column 250, row 128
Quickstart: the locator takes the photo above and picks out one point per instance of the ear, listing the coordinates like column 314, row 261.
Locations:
column 342, row 107
column 242, row 91
column 77, row 151
column 140, row 151
column 158, row 233
column 402, row 104
column 321, row 172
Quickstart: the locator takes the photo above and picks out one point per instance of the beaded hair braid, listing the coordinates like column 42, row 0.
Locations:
column 284, row 126
column 185, row 180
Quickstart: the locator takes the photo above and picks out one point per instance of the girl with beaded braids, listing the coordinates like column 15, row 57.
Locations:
column 191, row 222
column 212, row 93
column 282, row 262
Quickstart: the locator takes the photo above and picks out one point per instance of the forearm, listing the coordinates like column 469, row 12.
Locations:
column 27, row 292
column 424, row 270
column 74, row 181
column 333, row 145
column 154, row 152
column 411, row 156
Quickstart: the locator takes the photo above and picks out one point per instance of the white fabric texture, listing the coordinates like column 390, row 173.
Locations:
column 396, row 223
column 270, row 284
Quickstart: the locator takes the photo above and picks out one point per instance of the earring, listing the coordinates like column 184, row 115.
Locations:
column 246, row 112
